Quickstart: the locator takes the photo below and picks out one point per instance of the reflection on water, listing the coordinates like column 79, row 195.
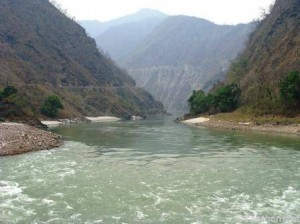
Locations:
column 152, row 172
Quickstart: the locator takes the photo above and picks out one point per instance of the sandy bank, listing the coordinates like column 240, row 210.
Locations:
column 51, row 123
column 195, row 121
column 103, row 119
column 20, row 138
column 244, row 126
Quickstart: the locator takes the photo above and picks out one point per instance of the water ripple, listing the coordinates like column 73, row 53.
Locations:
column 152, row 172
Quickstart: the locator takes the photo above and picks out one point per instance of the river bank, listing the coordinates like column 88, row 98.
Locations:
column 16, row 138
column 222, row 122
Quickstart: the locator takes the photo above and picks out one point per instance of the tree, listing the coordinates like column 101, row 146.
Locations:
column 51, row 106
column 227, row 97
column 224, row 99
column 8, row 92
column 290, row 90
column 198, row 102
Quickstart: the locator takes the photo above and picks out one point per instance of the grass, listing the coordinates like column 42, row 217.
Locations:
column 239, row 116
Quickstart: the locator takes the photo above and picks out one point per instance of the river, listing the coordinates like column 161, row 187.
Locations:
column 154, row 172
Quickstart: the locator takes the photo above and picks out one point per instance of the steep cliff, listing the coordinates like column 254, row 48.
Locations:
column 43, row 52
column 272, row 52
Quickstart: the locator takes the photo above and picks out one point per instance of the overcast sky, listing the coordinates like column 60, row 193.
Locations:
column 218, row 11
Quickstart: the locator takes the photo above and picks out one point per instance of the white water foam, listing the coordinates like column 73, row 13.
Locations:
column 48, row 202
column 9, row 188
column 140, row 215
column 13, row 200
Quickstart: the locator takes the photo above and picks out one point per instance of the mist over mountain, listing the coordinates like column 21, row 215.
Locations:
column 119, row 41
column 96, row 28
column 92, row 27
column 172, row 56
column 183, row 54
column 44, row 52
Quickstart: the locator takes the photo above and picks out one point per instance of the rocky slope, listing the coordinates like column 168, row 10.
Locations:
column 182, row 54
column 43, row 52
column 272, row 52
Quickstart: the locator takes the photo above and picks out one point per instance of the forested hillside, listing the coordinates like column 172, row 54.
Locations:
column 43, row 52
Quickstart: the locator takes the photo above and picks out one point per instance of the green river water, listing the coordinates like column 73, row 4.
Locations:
column 154, row 172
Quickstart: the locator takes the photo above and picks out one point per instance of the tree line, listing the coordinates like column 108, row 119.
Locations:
column 226, row 98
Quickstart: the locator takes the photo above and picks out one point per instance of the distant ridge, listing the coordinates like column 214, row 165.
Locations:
column 170, row 56
column 119, row 41
column 96, row 28
column 182, row 54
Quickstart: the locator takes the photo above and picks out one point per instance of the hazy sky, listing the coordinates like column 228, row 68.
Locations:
column 218, row 11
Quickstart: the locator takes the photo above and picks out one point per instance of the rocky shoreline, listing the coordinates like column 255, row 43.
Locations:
column 16, row 138
column 293, row 129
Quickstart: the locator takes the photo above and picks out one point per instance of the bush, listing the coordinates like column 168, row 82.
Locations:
column 290, row 90
column 198, row 102
column 51, row 106
column 8, row 92
column 227, row 98
column 224, row 99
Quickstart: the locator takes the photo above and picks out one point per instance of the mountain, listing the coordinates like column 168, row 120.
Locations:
column 182, row 54
column 96, row 28
column 272, row 52
column 43, row 52
column 119, row 41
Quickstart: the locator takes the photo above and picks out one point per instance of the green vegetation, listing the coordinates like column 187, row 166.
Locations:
column 8, row 107
column 13, row 108
column 9, row 91
column 290, row 90
column 224, row 99
column 51, row 106
column 198, row 102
